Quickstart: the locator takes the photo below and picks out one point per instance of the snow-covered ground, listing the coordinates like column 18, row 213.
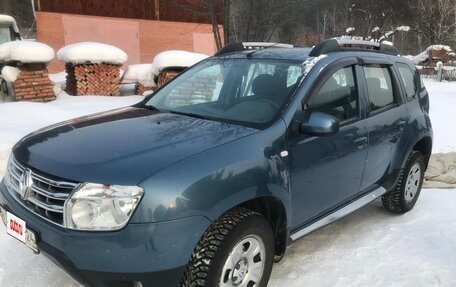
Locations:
column 368, row 248
column 442, row 112
column 371, row 247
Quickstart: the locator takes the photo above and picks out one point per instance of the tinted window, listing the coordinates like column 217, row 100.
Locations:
column 338, row 97
column 408, row 79
column 379, row 87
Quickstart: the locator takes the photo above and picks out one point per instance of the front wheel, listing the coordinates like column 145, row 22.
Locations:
column 236, row 251
column 405, row 194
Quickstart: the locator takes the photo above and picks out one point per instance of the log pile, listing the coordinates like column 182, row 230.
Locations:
column 141, row 89
column 93, row 79
column 165, row 76
column 33, row 84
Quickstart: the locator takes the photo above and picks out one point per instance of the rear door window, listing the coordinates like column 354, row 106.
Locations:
column 408, row 80
column 379, row 86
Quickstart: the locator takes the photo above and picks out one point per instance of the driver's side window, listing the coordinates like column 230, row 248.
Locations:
column 338, row 96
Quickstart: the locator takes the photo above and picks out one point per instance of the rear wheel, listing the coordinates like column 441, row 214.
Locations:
column 237, row 250
column 405, row 194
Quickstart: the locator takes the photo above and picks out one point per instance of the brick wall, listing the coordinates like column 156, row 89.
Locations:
column 150, row 38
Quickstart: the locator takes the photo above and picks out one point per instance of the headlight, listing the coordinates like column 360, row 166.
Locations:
column 97, row 207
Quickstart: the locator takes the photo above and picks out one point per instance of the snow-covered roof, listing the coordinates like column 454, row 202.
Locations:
column 92, row 52
column 26, row 52
column 9, row 20
column 141, row 73
column 425, row 54
column 177, row 58
column 10, row 74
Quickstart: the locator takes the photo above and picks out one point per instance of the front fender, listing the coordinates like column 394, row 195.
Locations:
column 219, row 179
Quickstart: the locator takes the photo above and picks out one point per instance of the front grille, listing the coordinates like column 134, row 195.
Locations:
column 46, row 197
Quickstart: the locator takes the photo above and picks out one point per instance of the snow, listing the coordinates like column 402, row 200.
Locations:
column 425, row 54
column 58, row 78
column 403, row 28
column 5, row 50
column 9, row 20
column 349, row 30
column 177, row 58
column 141, row 73
column 10, row 74
column 26, row 52
column 442, row 97
column 371, row 247
column 376, row 29
column 92, row 52
column 311, row 62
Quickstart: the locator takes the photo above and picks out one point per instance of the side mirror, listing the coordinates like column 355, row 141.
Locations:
column 319, row 124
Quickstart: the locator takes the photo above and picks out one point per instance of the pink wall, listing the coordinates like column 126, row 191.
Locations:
column 140, row 39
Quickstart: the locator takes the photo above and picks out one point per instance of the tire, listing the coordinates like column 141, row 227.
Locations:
column 404, row 195
column 233, row 244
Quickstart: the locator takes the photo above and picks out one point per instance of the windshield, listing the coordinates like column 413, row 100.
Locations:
column 5, row 34
column 244, row 91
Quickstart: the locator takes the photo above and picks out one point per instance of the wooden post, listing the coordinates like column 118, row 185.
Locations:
column 157, row 10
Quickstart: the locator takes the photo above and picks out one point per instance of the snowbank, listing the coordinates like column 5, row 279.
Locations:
column 141, row 73
column 92, row 52
column 26, row 52
column 177, row 58
column 5, row 50
column 10, row 74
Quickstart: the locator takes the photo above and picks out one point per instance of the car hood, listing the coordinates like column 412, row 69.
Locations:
column 122, row 146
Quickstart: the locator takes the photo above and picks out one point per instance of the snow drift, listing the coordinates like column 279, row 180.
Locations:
column 92, row 52
column 26, row 52
column 177, row 58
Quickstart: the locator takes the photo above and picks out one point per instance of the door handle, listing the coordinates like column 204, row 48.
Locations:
column 360, row 142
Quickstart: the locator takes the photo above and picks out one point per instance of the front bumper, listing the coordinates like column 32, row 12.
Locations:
column 154, row 254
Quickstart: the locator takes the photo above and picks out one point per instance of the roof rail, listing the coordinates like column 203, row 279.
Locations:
column 334, row 45
column 244, row 46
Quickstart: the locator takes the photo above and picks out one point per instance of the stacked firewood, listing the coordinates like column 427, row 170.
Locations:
column 166, row 75
column 93, row 79
column 33, row 84
column 143, row 89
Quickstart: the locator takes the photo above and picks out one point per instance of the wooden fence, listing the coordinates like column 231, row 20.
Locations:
column 165, row 10
column 448, row 73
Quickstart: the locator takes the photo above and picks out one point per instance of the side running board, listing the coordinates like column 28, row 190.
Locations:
column 357, row 204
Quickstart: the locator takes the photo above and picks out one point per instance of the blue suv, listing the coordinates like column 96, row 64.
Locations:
column 208, row 180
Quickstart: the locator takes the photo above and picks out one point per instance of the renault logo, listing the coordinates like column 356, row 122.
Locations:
column 25, row 184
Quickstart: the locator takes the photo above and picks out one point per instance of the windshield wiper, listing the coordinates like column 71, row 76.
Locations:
column 189, row 114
